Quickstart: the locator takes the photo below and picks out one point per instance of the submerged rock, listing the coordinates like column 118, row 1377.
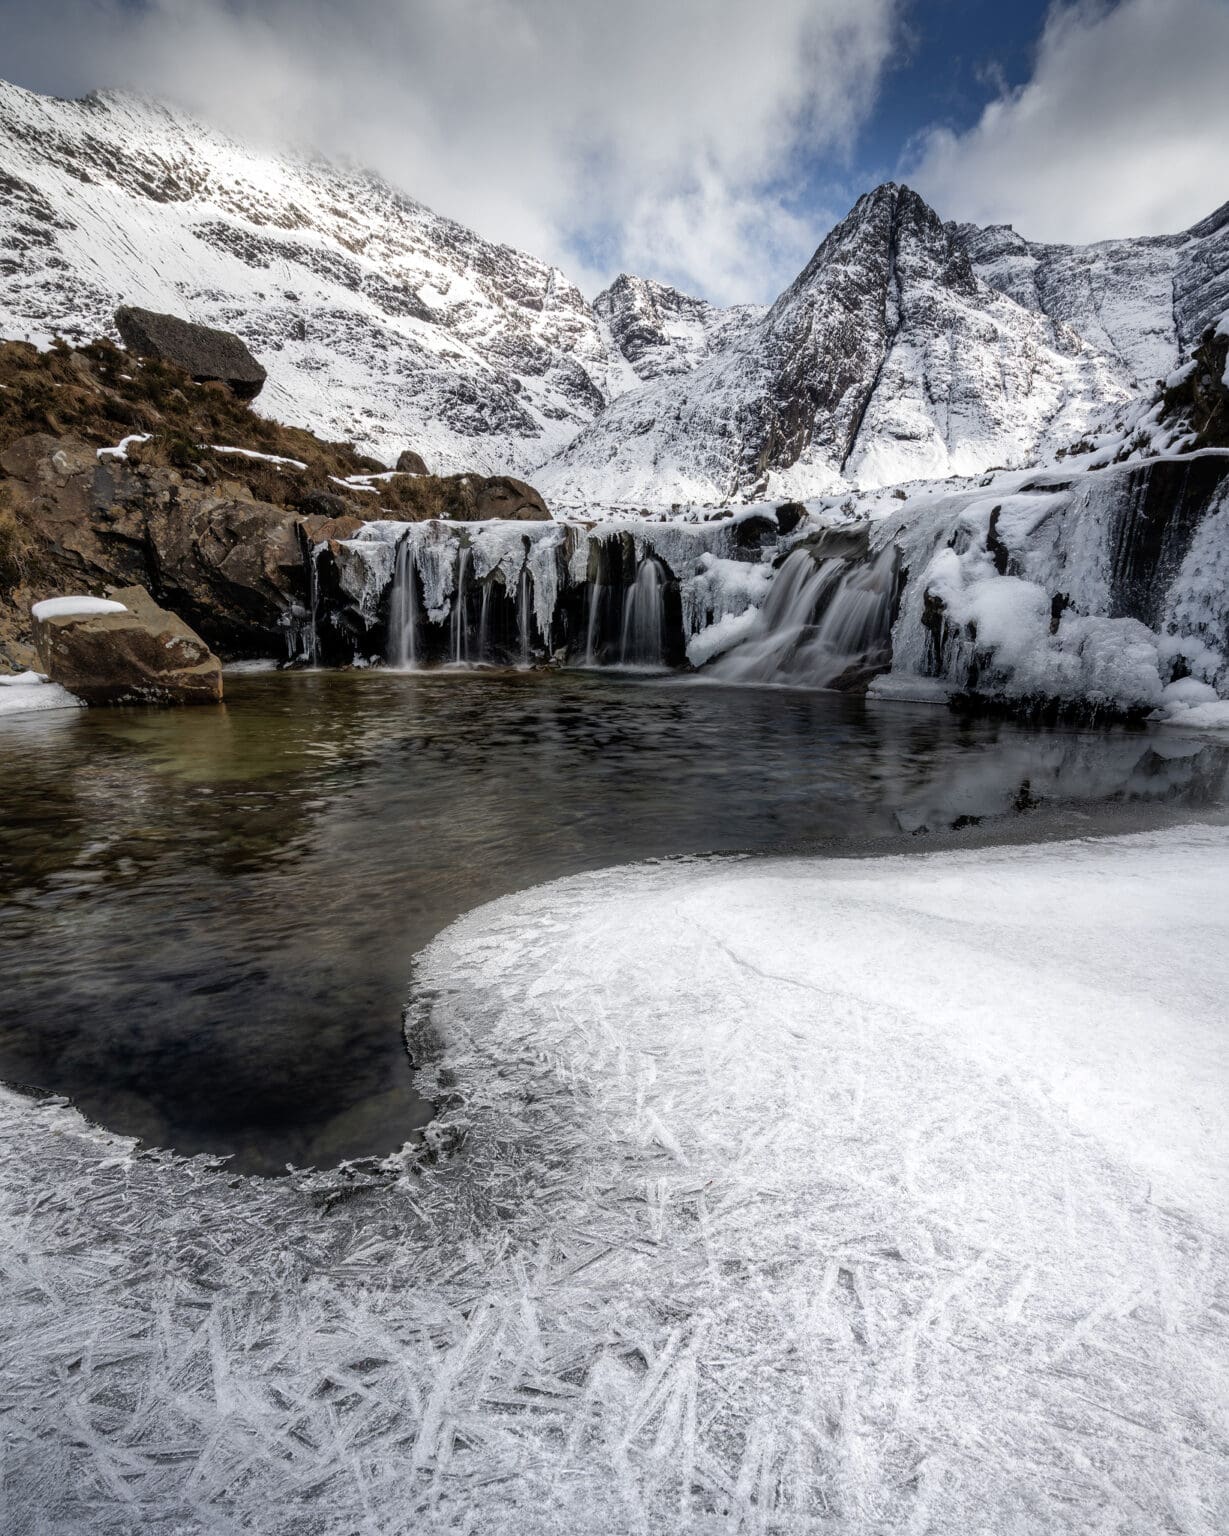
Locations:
column 124, row 651
column 205, row 353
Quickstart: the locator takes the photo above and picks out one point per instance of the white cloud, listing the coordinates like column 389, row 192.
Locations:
column 660, row 135
column 1122, row 130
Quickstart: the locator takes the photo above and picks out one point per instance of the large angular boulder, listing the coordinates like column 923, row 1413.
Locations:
column 464, row 499
column 124, row 650
column 411, row 463
column 205, row 353
column 503, row 497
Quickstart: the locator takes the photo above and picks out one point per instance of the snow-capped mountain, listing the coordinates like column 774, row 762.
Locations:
column 1143, row 303
column 661, row 331
column 887, row 359
column 906, row 349
column 378, row 320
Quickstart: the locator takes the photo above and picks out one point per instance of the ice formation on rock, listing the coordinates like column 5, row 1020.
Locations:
column 1087, row 592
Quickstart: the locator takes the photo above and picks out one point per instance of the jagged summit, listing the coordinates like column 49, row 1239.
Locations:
column 906, row 348
column 661, row 330
column 886, row 359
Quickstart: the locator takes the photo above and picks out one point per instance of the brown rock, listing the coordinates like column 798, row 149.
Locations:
column 142, row 656
column 502, row 496
column 207, row 354
column 461, row 498
column 411, row 463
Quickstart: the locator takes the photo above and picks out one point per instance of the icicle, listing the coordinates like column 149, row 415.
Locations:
column 312, row 649
column 402, row 647
column 641, row 642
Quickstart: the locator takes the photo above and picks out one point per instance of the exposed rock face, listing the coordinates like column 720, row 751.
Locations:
column 411, row 463
column 887, row 359
column 661, row 331
column 207, row 354
column 220, row 537
column 143, row 655
column 1200, row 398
column 232, row 566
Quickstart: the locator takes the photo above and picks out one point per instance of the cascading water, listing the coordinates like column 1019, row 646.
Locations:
column 597, row 593
column 642, row 642
column 484, row 618
column 523, row 614
column 460, row 616
column 402, row 650
column 818, row 622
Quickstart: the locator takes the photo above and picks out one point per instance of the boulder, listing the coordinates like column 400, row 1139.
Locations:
column 513, row 500
column 461, row 499
column 128, row 651
column 205, row 353
column 411, row 463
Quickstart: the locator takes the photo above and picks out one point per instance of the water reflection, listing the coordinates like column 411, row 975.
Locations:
column 207, row 916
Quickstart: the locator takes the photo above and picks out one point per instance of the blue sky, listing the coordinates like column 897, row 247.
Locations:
column 711, row 143
column 955, row 56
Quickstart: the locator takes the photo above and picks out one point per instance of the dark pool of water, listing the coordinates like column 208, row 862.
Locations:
column 207, row 916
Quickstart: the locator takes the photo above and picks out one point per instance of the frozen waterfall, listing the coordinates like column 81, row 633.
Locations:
column 1102, row 594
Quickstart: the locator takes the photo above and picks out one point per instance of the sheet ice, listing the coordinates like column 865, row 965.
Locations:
column 25, row 693
column 865, row 1195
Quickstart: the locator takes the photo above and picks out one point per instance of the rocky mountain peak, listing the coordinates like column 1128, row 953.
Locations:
column 906, row 348
column 662, row 331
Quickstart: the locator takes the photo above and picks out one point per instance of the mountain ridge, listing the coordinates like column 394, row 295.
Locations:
column 906, row 348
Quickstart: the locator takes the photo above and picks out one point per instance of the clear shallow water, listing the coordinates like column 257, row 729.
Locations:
column 207, row 917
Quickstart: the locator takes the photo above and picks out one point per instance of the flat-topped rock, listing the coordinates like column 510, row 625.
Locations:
column 125, row 650
column 207, row 354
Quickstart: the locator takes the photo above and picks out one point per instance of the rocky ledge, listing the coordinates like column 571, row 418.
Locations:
column 121, row 471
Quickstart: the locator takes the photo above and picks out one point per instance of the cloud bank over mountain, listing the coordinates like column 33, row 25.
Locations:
column 668, row 139
column 1120, row 131
column 706, row 143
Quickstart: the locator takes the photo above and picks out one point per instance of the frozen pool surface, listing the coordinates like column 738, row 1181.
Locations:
column 792, row 1195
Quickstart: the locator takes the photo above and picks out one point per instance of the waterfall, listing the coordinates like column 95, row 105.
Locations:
column 818, row 622
column 311, row 648
column 402, row 650
column 483, row 621
column 596, row 594
column 642, row 641
column 460, row 617
column 523, row 615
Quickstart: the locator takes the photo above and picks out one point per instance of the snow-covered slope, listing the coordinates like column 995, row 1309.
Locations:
column 661, row 331
column 907, row 348
column 1144, row 303
column 887, row 359
column 378, row 320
